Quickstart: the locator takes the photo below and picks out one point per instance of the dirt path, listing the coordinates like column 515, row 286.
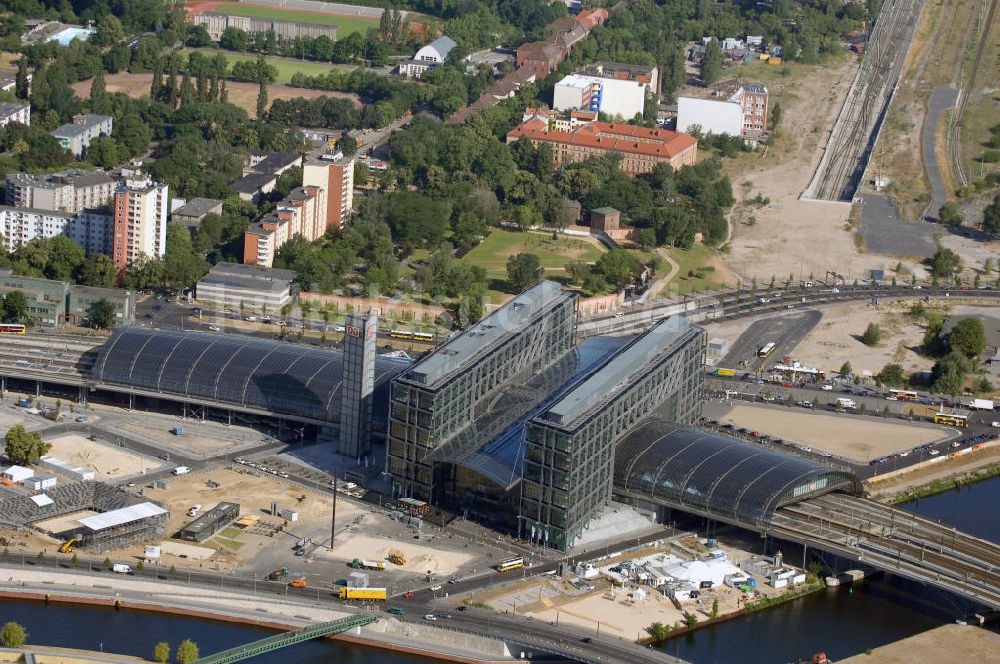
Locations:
column 663, row 281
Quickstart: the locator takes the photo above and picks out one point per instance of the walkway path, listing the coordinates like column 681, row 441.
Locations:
column 663, row 281
column 941, row 100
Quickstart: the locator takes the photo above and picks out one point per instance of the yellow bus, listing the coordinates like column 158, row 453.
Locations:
column 766, row 350
column 951, row 420
column 509, row 564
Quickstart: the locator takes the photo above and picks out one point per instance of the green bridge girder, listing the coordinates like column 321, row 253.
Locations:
column 286, row 639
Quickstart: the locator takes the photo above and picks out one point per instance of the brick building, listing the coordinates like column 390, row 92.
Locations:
column 641, row 148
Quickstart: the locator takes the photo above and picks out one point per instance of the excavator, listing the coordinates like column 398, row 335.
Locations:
column 69, row 546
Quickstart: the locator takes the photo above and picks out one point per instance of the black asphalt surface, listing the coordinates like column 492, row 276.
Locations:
column 786, row 332
column 941, row 100
column 884, row 232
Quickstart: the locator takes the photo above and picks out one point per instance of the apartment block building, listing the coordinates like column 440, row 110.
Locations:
column 92, row 230
column 78, row 134
column 71, row 191
column 641, row 148
column 303, row 213
column 19, row 111
column 334, row 174
column 743, row 113
column 140, row 219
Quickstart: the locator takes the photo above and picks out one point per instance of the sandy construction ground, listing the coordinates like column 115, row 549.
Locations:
column 174, row 548
column 941, row 645
column 243, row 95
column 792, row 236
column 199, row 439
column 60, row 524
column 254, row 495
column 107, row 461
column 836, row 339
column 420, row 559
column 858, row 438
column 619, row 616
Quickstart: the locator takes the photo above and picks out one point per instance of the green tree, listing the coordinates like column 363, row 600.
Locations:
column 161, row 652
column 872, row 334
column 523, row 271
column 21, row 82
column 892, row 375
column 968, row 337
column 618, row 267
column 24, row 447
column 102, row 314
column 15, row 307
column 945, row 263
column 715, row 609
column 187, row 652
column 98, row 271
column 991, row 216
column 658, row 631
column 711, row 64
column 950, row 215
column 261, row 90
column 846, row 369
column 690, row 619
column 109, row 31
column 65, row 259
column 12, row 635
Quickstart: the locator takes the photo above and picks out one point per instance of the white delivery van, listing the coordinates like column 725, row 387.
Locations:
column 181, row 470
column 121, row 568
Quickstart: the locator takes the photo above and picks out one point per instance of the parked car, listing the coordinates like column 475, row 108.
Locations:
column 194, row 510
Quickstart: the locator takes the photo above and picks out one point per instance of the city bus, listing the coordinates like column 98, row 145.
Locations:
column 766, row 350
column 11, row 328
column 904, row 395
column 952, row 420
column 509, row 564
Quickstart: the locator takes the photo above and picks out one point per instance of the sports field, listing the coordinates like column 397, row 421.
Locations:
column 492, row 253
column 346, row 24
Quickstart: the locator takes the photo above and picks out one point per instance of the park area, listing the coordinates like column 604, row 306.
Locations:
column 858, row 438
column 287, row 67
column 492, row 253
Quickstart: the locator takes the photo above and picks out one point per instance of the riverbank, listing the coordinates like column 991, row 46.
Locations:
column 53, row 655
column 943, row 645
column 244, row 608
column 937, row 475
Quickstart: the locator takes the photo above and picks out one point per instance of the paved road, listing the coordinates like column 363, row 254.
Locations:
column 941, row 100
column 786, row 332
column 527, row 634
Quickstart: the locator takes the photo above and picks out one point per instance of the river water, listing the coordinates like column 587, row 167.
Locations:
column 846, row 621
column 839, row 621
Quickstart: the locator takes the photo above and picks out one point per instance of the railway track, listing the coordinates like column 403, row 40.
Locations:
column 852, row 140
column 897, row 541
column 956, row 139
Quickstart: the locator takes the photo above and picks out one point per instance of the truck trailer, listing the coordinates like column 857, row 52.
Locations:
column 362, row 593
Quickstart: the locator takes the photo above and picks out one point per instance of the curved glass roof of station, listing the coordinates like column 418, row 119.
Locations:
column 702, row 471
column 234, row 370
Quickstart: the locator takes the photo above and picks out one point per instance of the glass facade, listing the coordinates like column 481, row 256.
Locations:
column 425, row 414
column 568, row 467
column 702, row 471
column 280, row 378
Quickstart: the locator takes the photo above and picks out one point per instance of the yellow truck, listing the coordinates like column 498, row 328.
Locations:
column 362, row 593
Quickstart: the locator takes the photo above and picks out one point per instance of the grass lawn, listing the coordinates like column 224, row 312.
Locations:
column 695, row 260
column 492, row 253
column 286, row 66
column 345, row 24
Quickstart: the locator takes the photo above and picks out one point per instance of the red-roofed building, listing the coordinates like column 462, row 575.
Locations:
column 641, row 148
column 540, row 57
column 589, row 18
